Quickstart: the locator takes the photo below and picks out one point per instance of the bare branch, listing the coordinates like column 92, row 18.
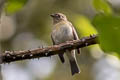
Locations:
column 10, row 56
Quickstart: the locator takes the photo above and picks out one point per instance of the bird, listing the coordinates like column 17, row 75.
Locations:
column 64, row 31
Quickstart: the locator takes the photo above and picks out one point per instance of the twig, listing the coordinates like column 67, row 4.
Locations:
column 11, row 56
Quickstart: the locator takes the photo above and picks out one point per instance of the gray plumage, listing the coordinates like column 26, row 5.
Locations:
column 64, row 31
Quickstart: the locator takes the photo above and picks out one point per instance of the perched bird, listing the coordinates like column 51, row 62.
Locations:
column 64, row 31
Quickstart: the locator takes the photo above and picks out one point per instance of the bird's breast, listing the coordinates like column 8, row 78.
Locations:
column 62, row 33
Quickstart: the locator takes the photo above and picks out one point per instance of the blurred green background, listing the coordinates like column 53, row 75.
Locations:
column 26, row 24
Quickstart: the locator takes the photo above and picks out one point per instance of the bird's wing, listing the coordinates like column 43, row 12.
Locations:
column 61, row 55
column 75, row 37
column 52, row 40
column 75, row 34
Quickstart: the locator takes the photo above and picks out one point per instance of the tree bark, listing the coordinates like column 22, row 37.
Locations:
column 11, row 56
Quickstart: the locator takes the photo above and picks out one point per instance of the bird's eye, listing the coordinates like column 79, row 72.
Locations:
column 57, row 15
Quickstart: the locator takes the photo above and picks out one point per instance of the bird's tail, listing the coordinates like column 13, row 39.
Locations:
column 73, row 62
column 74, row 67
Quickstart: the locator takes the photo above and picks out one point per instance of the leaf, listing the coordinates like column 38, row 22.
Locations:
column 83, row 26
column 14, row 6
column 102, row 6
column 109, row 32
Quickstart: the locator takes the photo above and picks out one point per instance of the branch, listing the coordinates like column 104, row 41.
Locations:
column 11, row 56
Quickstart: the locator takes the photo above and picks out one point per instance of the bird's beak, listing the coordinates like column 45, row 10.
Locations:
column 52, row 15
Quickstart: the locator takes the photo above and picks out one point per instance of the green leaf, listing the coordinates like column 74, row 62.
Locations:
column 102, row 6
column 109, row 32
column 14, row 6
column 83, row 26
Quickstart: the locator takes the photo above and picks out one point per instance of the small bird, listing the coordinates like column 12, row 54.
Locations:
column 64, row 31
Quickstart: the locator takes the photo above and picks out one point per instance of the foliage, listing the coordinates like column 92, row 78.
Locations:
column 83, row 26
column 109, row 32
column 102, row 6
column 108, row 26
column 14, row 5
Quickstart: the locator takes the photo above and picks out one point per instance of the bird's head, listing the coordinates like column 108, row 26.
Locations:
column 57, row 17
